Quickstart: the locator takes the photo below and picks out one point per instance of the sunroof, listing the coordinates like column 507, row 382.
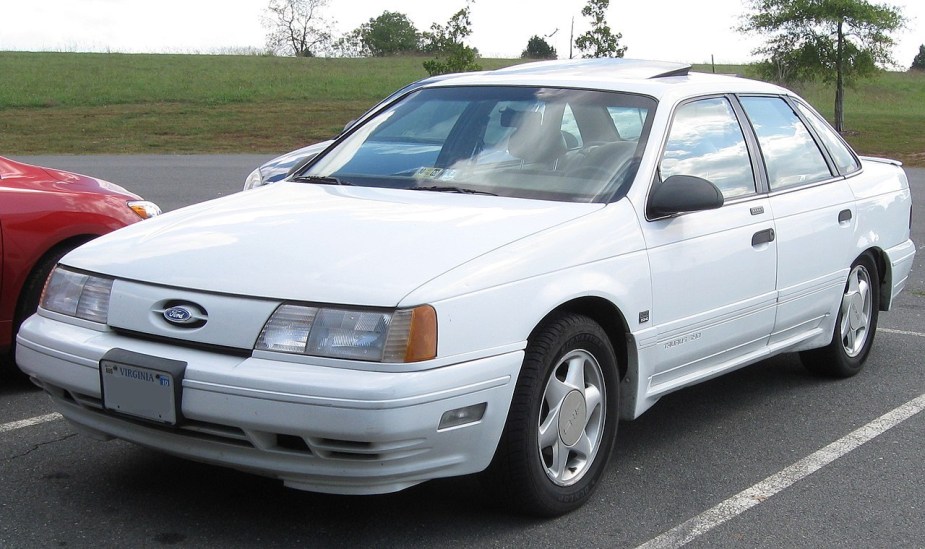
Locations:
column 627, row 68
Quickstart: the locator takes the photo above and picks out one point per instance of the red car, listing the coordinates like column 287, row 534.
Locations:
column 45, row 213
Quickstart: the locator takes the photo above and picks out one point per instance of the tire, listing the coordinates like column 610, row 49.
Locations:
column 31, row 293
column 855, row 326
column 547, row 465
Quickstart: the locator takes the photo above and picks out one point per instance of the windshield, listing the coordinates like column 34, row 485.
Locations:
column 542, row 143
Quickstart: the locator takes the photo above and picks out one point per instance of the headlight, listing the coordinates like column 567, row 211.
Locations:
column 77, row 294
column 144, row 208
column 254, row 180
column 405, row 335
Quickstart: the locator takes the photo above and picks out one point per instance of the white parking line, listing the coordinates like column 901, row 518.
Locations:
column 29, row 422
column 900, row 332
column 745, row 500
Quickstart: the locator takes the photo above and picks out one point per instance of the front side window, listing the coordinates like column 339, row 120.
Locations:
column 706, row 141
column 540, row 143
column 790, row 153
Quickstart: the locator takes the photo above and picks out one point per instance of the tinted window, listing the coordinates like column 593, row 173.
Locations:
column 844, row 159
column 706, row 141
column 790, row 153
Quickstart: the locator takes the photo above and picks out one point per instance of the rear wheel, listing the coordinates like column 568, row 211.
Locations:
column 855, row 326
column 563, row 419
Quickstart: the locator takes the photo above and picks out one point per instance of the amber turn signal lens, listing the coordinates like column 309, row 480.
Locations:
column 422, row 339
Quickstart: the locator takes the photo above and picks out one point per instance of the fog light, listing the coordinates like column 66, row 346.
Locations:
column 462, row 416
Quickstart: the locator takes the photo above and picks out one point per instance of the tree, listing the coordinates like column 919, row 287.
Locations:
column 833, row 40
column 348, row 45
column 600, row 41
column 389, row 34
column 918, row 63
column 296, row 27
column 452, row 55
column 538, row 48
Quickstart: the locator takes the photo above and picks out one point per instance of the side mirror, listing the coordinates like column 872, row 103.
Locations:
column 683, row 193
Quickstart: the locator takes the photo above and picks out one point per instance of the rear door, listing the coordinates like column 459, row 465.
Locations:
column 814, row 211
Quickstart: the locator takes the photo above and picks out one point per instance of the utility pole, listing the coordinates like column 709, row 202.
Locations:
column 571, row 38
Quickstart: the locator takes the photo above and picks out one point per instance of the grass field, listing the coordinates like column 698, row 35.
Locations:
column 86, row 103
column 119, row 103
column 884, row 116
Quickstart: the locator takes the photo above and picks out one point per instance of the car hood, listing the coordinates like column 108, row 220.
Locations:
column 333, row 244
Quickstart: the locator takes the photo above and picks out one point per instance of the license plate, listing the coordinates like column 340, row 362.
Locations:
column 135, row 385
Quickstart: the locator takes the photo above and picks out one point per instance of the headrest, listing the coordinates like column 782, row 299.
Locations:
column 533, row 141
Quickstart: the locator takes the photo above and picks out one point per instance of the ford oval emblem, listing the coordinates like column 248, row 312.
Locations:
column 178, row 315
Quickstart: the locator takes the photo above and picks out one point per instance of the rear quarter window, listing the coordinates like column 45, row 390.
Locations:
column 844, row 159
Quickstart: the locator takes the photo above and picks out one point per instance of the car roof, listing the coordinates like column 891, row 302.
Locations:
column 659, row 79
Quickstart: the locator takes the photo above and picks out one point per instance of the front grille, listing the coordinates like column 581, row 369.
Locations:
column 212, row 348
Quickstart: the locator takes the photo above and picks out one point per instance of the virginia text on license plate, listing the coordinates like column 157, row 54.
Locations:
column 137, row 391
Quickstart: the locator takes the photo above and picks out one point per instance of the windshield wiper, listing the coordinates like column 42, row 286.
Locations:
column 440, row 189
column 321, row 179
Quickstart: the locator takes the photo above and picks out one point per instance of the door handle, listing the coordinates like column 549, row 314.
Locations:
column 844, row 216
column 763, row 237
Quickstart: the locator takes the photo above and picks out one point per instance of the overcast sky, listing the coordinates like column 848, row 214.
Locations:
column 670, row 30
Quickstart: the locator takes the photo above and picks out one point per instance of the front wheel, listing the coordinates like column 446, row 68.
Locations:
column 855, row 326
column 563, row 419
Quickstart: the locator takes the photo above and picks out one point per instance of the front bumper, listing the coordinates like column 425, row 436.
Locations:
column 316, row 428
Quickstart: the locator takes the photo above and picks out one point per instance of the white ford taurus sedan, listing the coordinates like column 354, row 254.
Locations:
column 485, row 275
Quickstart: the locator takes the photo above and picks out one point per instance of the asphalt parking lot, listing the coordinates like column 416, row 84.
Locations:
column 768, row 456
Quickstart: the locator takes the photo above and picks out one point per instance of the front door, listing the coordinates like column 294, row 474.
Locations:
column 713, row 272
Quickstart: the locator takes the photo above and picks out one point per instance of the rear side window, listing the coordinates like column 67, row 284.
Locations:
column 841, row 154
column 570, row 131
column 628, row 121
column 790, row 153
